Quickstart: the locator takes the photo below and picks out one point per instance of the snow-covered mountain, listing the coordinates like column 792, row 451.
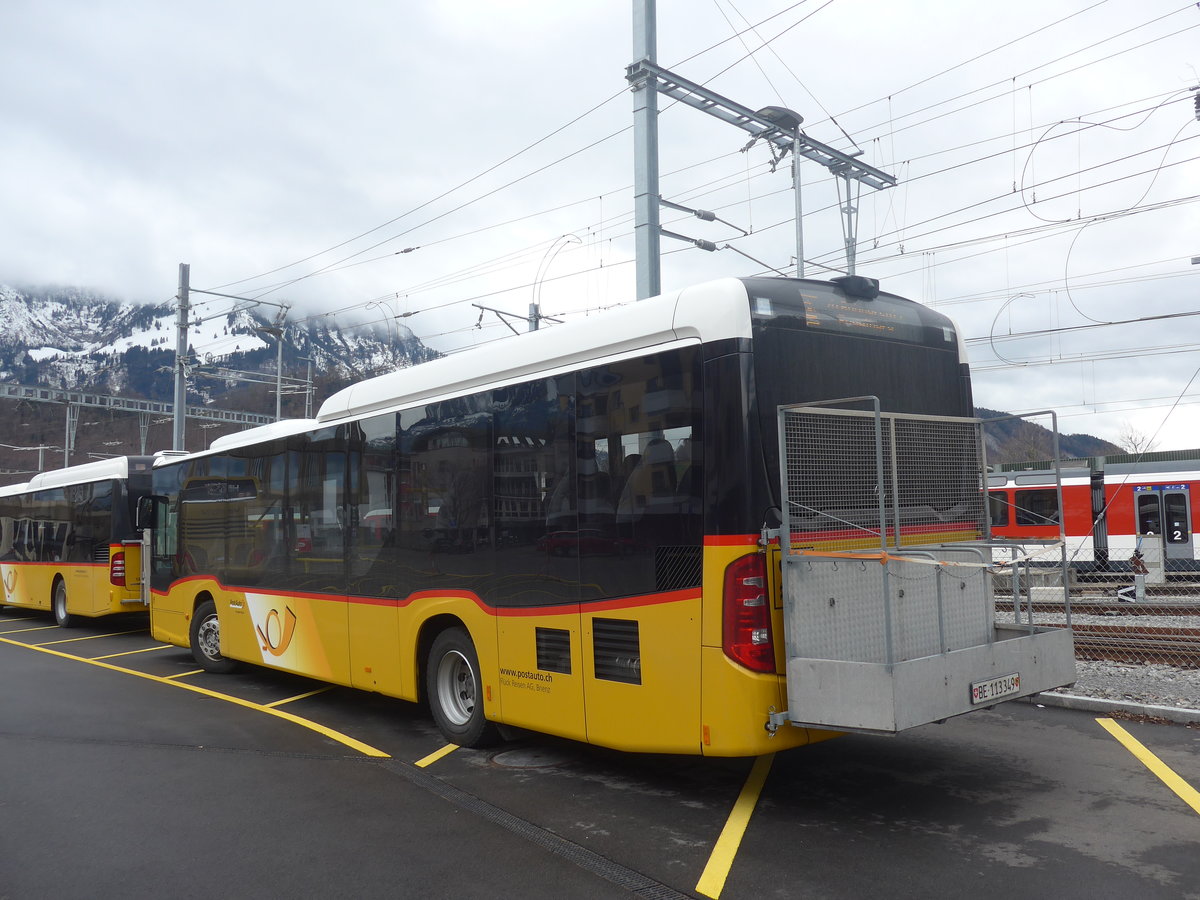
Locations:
column 72, row 338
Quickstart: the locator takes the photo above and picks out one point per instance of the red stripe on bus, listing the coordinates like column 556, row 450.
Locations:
column 561, row 609
column 730, row 540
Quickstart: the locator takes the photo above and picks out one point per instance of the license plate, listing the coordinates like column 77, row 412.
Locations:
column 995, row 688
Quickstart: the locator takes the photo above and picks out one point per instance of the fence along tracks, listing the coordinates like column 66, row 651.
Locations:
column 1139, row 643
column 1159, row 630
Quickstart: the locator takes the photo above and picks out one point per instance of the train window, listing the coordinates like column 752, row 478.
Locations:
column 1037, row 507
column 1149, row 513
column 1177, row 517
column 998, row 508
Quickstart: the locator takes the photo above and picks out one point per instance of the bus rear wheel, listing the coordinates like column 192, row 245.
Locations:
column 456, row 691
column 59, row 604
column 205, row 639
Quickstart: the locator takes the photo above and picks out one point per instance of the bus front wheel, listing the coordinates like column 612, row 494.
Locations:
column 61, row 617
column 456, row 690
column 205, row 639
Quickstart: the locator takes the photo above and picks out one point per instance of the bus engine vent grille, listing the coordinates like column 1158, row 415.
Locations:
column 617, row 650
column 100, row 553
column 553, row 650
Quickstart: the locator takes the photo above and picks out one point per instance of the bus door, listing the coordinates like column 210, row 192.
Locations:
column 538, row 543
column 156, row 558
column 299, row 609
column 371, row 516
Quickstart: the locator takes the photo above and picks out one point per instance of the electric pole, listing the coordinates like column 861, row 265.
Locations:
column 181, row 349
column 645, row 158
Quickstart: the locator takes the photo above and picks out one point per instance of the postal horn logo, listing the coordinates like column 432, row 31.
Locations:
column 10, row 579
column 276, row 636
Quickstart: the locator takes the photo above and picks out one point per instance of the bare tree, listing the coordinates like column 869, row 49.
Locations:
column 1131, row 440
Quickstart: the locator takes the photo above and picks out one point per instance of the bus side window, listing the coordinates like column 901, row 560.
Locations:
column 1038, row 507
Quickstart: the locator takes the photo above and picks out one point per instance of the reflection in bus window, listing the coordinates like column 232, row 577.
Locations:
column 376, row 481
column 638, row 464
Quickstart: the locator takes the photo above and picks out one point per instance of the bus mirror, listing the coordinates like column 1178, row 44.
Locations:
column 147, row 511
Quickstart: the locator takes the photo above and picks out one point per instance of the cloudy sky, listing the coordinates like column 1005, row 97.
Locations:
column 1046, row 155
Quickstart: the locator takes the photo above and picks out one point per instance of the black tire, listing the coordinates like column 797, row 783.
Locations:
column 205, row 638
column 58, row 604
column 455, row 690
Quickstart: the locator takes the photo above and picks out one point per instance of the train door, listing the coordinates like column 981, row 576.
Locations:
column 1167, row 511
column 1177, row 519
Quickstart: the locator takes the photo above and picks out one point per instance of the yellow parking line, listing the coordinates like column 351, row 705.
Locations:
column 712, row 880
column 130, row 652
column 365, row 749
column 1165, row 773
column 182, row 674
column 299, row 697
column 435, row 756
column 22, row 619
column 92, row 637
column 23, row 630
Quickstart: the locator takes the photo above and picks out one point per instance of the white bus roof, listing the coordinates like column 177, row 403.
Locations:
column 706, row 312
column 11, row 489
column 262, row 433
column 258, row 435
column 117, row 467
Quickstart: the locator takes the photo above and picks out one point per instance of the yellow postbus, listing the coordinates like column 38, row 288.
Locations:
column 572, row 531
column 68, row 542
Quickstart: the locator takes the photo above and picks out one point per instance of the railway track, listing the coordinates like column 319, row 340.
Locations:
column 1108, row 607
column 1167, row 645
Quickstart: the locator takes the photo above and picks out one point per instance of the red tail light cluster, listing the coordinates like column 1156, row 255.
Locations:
column 747, row 621
column 116, row 568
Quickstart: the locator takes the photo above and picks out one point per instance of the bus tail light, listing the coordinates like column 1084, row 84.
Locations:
column 747, row 635
column 116, row 568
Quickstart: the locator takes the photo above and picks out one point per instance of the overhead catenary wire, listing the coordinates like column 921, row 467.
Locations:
column 328, row 268
column 894, row 257
column 627, row 217
column 489, row 170
column 925, row 175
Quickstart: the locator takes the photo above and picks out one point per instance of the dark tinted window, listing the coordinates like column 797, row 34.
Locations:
column 316, row 496
column 1149, row 513
column 260, row 526
column 533, row 491
column 49, row 536
column 10, row 517
column 91, row 515
column 376, row 495
column 1036, row 507
column 1178, row 531
column 998, row 508
column 444, row 537
column 812, row 343
column 639, row 475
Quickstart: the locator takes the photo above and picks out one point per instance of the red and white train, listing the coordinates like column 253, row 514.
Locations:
column 1110, row 508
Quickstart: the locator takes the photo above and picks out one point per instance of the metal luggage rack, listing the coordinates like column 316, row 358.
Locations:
column 889, row 615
